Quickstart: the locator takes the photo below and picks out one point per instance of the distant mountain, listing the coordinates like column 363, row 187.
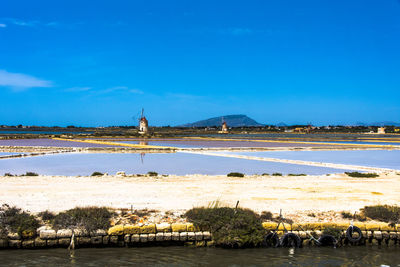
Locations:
column 281, row 124
column 231, row 120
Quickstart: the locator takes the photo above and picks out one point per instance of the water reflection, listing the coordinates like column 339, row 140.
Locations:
column 183, row 256
column 168, row 163
column 371, row 158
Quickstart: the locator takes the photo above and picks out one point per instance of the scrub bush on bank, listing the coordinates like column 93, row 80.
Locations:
column 384, row 213
column 361, row 175
column 230, row 227
column 235, row 174
column 90, row 218
column 15, row 220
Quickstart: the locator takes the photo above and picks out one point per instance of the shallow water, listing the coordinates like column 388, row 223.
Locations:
column 8, row 153
column 316, row 136
column 167, row 163
column 47, row 142
column 210, row 143
column 41, row 132
column 371, row 158
column 184, row 256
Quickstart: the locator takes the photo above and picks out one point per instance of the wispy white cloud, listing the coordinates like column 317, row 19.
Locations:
column 24, row 23
column 78, row 89
column 20, row 82
column 121, row 89
column 237, row 31
column 136, row 91
column 31, row 23
column 2, row 25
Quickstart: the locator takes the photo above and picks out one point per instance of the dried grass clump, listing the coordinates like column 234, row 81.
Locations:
column 90, row 218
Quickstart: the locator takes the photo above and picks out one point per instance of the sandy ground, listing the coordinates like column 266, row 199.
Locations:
column 295, row 195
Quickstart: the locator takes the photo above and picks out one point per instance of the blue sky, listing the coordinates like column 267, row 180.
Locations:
column 97, row 63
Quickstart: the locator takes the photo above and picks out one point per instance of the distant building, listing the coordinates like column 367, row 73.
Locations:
column 143, row 124
column 299, row 130
column 224, row 127
column 381, row 130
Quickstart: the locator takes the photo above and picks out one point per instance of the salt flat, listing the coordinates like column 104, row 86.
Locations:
column 300, row 194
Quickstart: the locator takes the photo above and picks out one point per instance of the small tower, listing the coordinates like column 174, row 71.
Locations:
column 143, row 124
column 224, row 127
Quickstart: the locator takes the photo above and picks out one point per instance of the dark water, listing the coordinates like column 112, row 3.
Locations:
column 183, row 256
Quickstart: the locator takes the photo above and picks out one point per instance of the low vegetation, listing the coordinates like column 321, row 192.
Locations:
column 97, row 174
column 277, row 174
column 26, row 174
column 297, row 174
column 30, row 174
column 15, row 220
column 90, row 218
column 333, row 231
column 235, row 174
column 346, row 215
column 361, row 175
column 384, row 213
column 152, row 174
column 355, row 216
column 266, row 216
column 46, row 215
column 230, row 227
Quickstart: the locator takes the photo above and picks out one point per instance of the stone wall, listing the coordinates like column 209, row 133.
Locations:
column 187, row 234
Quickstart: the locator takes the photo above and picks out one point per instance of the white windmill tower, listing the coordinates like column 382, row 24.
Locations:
column 143, row 124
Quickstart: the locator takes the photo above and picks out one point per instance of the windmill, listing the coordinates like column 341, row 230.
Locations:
column 224, row 126
column 143, row 123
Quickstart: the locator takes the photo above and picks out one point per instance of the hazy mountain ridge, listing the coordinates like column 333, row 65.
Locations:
column 231, row 120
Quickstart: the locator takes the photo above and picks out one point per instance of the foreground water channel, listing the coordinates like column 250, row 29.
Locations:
column 184, row 256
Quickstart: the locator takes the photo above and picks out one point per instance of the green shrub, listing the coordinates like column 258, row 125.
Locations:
column 265, row 174
column 46, row 215
column 266, row 216
column 346, row 215
column 297, row 174
column 384, row 213
column 362, row 175
column 230, row 227
column 152, row 174
column 31, row 174
column 97, row 174
column 8, row 174
column 277, row 174
column 90, row 218
column 235, row 174
column 336, row 232
column 15, row 220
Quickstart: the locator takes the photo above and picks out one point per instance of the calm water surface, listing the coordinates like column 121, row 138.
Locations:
column 167, row 163
column 183, row 256
column 8, row 153
column 208, row 143
column 47, row 142
column 42, row 132
column 371, row 158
